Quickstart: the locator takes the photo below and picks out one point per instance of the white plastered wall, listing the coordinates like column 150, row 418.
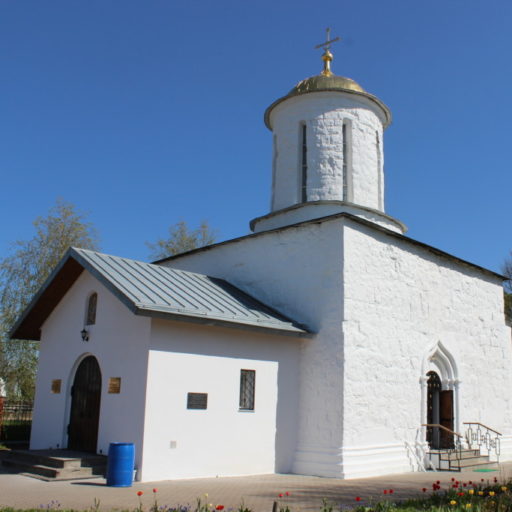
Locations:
column 407, row 311
column 324, row 113
column 220, row 440
column 297, row 271
column 119, row 340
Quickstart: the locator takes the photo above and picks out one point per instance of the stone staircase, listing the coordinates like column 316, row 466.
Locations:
column 465, row 459
column 54, row 465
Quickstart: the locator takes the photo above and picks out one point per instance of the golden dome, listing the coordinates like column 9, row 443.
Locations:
column 325, row 83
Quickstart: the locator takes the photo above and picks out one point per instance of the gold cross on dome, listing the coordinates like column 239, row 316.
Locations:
column 327, row 55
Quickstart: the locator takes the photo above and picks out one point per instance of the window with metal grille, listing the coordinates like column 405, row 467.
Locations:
column 247, row 387
column 91, row 309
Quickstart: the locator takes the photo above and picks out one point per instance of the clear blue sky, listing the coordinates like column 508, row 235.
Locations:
column 148, row 112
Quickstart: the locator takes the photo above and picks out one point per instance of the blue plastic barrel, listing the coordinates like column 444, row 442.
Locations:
column 121, row 458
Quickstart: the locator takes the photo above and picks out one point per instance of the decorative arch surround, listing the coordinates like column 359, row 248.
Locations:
column 440, row 360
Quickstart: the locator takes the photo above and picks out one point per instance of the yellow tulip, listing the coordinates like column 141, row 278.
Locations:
column 471, row 491
column 504, row 489
column 491, row 493
column 468, row 505
column 453, row 502
column 480, row 493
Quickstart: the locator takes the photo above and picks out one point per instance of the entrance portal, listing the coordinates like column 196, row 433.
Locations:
column 85, row 406
column 439, row 411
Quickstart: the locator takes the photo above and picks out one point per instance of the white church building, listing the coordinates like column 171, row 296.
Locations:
column 320, row 344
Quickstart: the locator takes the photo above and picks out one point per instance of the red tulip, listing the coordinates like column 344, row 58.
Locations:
column 139, row 493
column 287, row 493
column 391, row 491
column 385, row 491
column 280, row 495
column 155, row 490
column 424, row 489
column 219, row 507
column 358, row 498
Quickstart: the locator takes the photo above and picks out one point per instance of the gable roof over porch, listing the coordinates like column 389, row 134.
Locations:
column 155, row 291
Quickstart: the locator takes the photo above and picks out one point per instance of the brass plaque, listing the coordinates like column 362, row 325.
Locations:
column 56, row 385
column 114, row 385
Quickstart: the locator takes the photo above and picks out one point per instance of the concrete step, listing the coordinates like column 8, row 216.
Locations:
column 52, row 465
column 448, row 460
column 479, row 463
column 453, row 455
column 468, row 461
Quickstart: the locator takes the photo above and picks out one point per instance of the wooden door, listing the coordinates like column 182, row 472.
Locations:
column 446, row 418
column 433, row 393
column 85, row 406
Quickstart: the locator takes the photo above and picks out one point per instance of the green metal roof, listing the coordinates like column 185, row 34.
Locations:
column 153, row 290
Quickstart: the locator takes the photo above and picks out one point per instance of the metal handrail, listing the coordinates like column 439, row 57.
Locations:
column 456, row 449
column 482, row 425
column 442, row 427
column 491, row 443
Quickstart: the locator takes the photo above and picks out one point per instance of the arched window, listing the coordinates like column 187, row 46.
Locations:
column 347, row 163
column 90, row 317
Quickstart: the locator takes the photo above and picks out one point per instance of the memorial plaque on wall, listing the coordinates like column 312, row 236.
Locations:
column 56, row 384
column 114, row 385
column 197, row 400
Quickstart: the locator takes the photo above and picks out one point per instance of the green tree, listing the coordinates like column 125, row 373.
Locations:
column 507, row 271
column 182, row 239
column 22, row 273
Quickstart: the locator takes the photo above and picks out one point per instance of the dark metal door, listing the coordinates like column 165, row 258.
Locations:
column 85, row 406
column 446, row 417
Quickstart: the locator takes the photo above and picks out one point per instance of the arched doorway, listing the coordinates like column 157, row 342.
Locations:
column 85, row 406
column 440, row 389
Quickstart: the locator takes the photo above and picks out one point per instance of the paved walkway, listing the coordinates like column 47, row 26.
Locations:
column 256, row 492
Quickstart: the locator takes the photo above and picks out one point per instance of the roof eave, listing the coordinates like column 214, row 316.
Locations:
column 51, row 292
column 387, row 113
column 221, row 322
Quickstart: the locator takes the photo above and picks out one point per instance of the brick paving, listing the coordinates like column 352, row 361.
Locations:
column 256, row 492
